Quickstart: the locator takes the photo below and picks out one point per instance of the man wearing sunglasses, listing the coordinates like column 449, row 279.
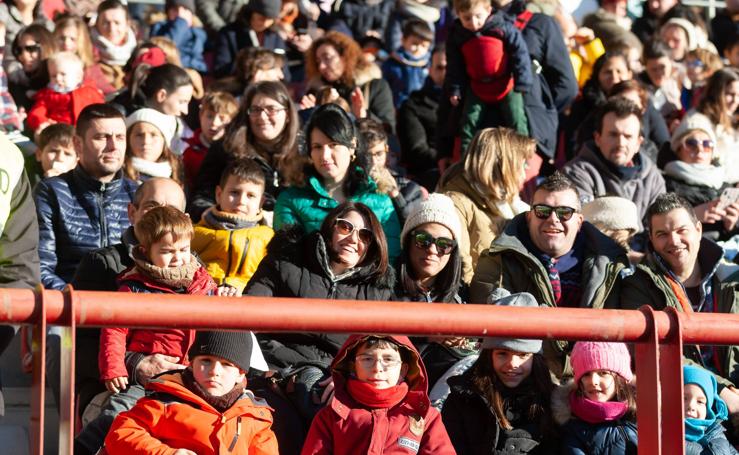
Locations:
column 683, row 270
column 553, row 254
column 611, row 164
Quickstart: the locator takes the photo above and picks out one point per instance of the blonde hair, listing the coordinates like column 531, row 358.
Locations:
column 220, row 103
column 171, row 54
column 711, row 61
column 495, row 160
column 66, row 57
column 621, row 236
column 160, row 221
column 84, row 42
column 461, row 6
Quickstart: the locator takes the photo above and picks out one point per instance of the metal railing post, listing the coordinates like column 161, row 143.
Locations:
column 67, row 375
column 38, row 382
column 671, row 384
column 648, row 397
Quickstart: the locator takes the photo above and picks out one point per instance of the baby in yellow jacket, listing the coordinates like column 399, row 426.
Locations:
column 232, row 236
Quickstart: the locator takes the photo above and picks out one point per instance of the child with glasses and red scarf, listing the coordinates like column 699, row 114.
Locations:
column 380, row 403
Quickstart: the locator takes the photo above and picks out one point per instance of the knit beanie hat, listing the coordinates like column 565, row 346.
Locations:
column 189, row 4
column 716, row 407
column 590, row 356
column 152, row 56
column 691, row 123
column 612, row 212
column 267, row 8
column 521, row 300
column 167, row 124
column 690, row 32
column 437, row 208
column 236, row 347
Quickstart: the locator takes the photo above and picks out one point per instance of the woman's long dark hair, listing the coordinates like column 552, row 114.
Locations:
column 239, row 140
column 488, row 384
column 168, row 77
column 376, row 256
column 448, row 281
column 713, row 103
column 592, row 89
column 335, row 123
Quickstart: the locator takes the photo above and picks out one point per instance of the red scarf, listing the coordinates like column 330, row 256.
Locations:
column 596, row 412
column 366, row 394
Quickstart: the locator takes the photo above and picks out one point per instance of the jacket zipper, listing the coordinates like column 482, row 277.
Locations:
column 236, row 436
column 101, row 213
column 228, row 254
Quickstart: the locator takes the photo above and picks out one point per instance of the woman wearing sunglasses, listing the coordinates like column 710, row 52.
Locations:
column 430, row 270
column 31, row 47
column 333, row 175
column 695, row 176
column 484, row 188
column 346, row 260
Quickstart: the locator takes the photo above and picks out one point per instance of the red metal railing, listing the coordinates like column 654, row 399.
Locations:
column 658, row 337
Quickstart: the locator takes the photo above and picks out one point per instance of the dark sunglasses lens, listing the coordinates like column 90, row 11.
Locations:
column 444, row 245
column 365, row 236
column 344, row 227
column 564, row 213
column 542, row 211
column 422, row 239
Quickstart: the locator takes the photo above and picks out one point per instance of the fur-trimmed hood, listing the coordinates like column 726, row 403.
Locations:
column 561, row 410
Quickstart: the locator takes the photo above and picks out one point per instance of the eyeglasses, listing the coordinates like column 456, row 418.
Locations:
column 424, row 240
column 367, row 361
column 346, row 228
column 271, row 111
column 693, row 143
column 31, row 49
column 694, row 64
column 543, row 211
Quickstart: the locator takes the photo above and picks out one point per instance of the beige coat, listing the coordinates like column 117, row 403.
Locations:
column 482, row 220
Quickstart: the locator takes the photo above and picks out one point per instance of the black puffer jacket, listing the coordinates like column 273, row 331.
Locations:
column 417, row 124
column 77, row 214
column 474, row 429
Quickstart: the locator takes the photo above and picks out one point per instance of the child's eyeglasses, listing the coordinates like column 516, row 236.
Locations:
column 694, row 64
column 543, row 211
column 346, row 228
column 424, row 240
column 367, row 362
column 693, row 143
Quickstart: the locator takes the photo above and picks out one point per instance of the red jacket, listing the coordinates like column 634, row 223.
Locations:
column 114, row 342
column 61, row 107
column 344, row 427
column 172, row 417
column 193, row 158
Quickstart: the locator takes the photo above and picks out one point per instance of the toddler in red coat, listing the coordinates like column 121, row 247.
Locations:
column 381, row 403
column 65, row 96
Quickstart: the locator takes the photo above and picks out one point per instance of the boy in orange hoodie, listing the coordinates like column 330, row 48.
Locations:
column 381, row 403
column 202, row 410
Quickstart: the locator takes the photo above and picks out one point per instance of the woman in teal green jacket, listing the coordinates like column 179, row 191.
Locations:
column 332, row 177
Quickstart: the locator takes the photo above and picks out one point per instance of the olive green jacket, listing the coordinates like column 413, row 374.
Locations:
column 508, row 264
column 649, row 286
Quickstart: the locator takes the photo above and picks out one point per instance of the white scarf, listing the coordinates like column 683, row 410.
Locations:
column 150, row 168
column 114, row 54
column 696, row 174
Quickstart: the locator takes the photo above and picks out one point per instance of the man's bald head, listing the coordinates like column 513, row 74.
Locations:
column 155, row 192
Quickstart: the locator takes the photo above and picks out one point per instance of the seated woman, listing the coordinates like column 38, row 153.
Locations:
column 345, row 260
column 332, row 176
column 694, row 175
column 502, row 403
column 484, row 188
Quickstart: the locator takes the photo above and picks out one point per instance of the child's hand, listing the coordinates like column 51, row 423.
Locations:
column 227, row 291
column 454, row 100
column 357, row 99
column 307, row 102
column 184, row 452
column 115, row 385
column 584, row 35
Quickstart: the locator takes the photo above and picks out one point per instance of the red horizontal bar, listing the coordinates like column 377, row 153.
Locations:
column 110, row 309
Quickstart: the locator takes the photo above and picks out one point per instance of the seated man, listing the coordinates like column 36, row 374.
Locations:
column 682, row 271
column 551, row 253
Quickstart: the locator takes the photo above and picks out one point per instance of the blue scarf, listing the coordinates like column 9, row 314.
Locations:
column 695, row 429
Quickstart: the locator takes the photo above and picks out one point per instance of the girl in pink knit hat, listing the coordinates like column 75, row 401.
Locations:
column 597, row 410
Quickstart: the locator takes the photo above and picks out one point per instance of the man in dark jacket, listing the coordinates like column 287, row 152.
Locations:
column 83, row 209
column 611, row 164
column 98, row 271
column 553, row 254
column 683, row 270
column 417, row 125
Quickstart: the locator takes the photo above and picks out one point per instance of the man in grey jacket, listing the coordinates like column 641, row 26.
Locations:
column 611, row 163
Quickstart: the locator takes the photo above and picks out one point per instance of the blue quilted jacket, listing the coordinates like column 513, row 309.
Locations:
column 77, row 214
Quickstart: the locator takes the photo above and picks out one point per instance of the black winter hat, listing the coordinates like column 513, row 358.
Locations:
column 235, row 347
column 189, row 4
column 267, row 8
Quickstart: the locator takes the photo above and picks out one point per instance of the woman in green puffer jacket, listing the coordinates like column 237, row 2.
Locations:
column 332, row 175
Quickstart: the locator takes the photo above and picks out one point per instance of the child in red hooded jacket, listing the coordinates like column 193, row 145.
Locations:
column 381, row 403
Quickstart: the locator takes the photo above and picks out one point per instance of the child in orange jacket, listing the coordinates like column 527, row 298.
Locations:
column 381, row 403
column 204, row 409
